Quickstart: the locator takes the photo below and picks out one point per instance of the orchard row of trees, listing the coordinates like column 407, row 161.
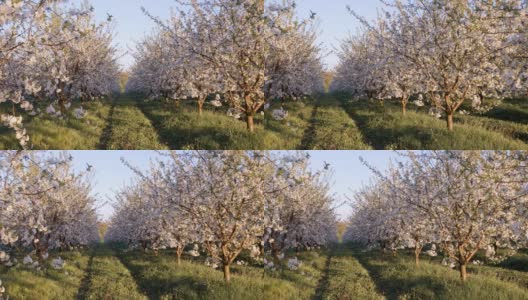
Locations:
column 226, row 203
column 44, row 205
column 449, row 51
column 461, row 202
column 241, row 53
column 52, row 54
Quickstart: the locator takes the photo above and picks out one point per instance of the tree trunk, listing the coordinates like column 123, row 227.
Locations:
column 250, row 123
column 463, row 272
column 227, row 274
column 201, row 102
column 417, row 251
column 62, row 106
column 179, row 251
column 276, row 259
column 450, row 121
column 404, row 102
column 40, row 254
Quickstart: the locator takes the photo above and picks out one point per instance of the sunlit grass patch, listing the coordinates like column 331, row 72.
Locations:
column 108, row 278
column 21, row 282
column 184, row 128
column 162, row 278
column 334, row 129
column 348, row 279
column 51, row 133
column 131, row 129
column 399, row 278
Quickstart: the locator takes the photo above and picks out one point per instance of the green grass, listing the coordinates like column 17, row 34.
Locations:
column 399, row 278
column 295, row 130
column 328, row 122
column 47, row 133
column 347, row 278
column 518, row 262
column 108, row 278
column 515, row 110
column 343, row 272
column 184, row 128
column 161, row 278
column 22, row 283
column 310, row 278
column 333, row 129
column 385, row 127
column 326, row 128
column 129, row 129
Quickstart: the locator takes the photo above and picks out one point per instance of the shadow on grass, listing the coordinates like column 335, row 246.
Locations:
column 87, row 279
column 173, row 137
column 395, row 287
column 104, row 142
column 509, row 112
column 180, row 129
column 309, row 133
column 517, row 262
column 324, row 282
column 405, row 137
column 156, row 287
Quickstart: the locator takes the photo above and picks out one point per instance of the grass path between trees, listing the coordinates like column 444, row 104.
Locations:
column 107, row 278
column 347, row 278
column 129, row 129
column 333, row 128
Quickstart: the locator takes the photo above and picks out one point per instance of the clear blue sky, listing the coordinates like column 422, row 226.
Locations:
column 335, row 21
column 110, row 174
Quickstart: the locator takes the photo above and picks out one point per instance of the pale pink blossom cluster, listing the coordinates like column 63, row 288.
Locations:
column 227, row 202
column 450, row 51
column 44, row 205
column 462, row 202
column 247, row 52
column 52, row 54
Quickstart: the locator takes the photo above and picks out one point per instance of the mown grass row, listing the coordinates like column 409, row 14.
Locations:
column 130, row 129
column 333, row 129
column 88, row 274
column 109, row 273
column 107, row 278
column 183, row 128
column 161, row 277
column 385, row 127
column 347, row 279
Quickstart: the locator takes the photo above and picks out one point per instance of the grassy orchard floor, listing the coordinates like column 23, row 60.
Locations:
column 330, row 122
column 108, row 273
column 343, row 272
column 385, row 127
